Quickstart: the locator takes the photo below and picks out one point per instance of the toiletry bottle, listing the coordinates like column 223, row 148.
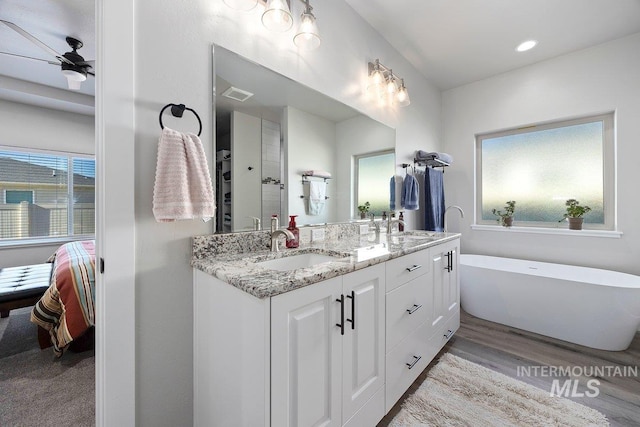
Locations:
column 401, row 225
column 384, row 215
column 295, row 242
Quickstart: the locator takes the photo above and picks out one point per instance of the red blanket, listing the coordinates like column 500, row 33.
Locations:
column 67, row 309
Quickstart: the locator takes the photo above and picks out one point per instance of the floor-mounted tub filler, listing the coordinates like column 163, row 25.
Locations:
column 587, row 306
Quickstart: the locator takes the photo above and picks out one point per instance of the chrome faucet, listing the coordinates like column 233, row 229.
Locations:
column 445, row 215
column 256, row 223
column 391, row 222
column 376, row 225
column 274, row 238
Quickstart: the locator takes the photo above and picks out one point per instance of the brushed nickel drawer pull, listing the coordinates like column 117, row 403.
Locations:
column 449, row 334
column 417, row 359
column 414, row 268
column 414, row 308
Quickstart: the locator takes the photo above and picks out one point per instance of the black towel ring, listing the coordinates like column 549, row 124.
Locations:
column 177, row 110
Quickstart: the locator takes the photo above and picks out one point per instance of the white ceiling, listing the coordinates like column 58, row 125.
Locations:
column 451, row 42
column 454, row 42
column 51, row 21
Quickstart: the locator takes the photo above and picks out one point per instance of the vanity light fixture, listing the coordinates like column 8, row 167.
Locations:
column 277, row 17
column 386, row 87
column 241, row 4
column 307, row 37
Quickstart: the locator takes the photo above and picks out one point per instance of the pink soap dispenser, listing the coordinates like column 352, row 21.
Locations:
column 295, row 242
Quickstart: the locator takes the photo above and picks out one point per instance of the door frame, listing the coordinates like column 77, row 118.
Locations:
column 115, row 214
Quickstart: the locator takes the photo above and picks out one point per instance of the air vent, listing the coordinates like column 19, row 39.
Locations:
column 237, row 94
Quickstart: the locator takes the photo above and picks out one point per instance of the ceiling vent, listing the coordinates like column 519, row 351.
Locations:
column 237, row 94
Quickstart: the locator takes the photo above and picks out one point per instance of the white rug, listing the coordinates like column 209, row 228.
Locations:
column 457, row 392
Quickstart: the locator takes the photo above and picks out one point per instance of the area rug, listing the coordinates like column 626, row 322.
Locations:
column 457, row 392
column 20, row 334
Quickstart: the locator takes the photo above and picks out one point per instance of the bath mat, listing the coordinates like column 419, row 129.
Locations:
column 457, row 392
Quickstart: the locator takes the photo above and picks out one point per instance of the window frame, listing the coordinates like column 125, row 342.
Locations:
column 356, row 174
column 4, row 200
column 70, row 236
column 608, row 120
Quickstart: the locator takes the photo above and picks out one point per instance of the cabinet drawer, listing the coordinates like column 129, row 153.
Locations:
column 401, row 270
column 408, row 306
column 403, row 365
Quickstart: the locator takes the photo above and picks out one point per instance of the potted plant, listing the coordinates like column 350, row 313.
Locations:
column 574, row 214
column 363, row 209
column 506, row 217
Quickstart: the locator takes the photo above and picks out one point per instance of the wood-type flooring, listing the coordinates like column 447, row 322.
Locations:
column 510, row 351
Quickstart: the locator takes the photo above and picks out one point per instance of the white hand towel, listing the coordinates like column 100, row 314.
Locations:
column 318, row 173
column 182, row 187
column 317, row 192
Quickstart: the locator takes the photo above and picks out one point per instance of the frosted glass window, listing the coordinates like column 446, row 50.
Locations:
column 540, row 167
column 46, row 195
column 373, row 172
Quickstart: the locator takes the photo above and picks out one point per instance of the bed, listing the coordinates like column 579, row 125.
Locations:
column 66, row 310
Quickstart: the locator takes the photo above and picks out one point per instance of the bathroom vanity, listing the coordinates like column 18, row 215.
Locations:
column 332, row 333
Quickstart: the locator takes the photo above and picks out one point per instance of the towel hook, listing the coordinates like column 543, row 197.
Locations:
column 177, row 110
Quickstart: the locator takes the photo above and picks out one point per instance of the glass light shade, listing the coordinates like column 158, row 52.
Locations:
column 74, row 79
column 241, row 4
column 277, row 16
column 403, row 96
column 307, row 37
column 391, row 85
column 376, row 84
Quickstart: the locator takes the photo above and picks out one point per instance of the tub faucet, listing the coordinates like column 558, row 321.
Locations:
column 274, row 238
column 445, row 215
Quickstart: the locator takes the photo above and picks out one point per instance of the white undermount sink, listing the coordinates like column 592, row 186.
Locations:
column 295, row 262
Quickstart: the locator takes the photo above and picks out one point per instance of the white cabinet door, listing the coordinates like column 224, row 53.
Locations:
column 306, row 349
column 363, row 346
column 446, row 282
column 451, row 289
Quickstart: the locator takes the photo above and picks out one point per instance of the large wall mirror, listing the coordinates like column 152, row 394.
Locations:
column 270, row 130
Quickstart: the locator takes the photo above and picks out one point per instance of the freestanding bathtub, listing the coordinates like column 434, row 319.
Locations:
column 587, row 306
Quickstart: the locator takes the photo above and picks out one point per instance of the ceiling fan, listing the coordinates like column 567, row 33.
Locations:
column 73, row 66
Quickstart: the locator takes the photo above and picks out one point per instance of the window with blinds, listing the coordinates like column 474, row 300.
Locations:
column 46, row 195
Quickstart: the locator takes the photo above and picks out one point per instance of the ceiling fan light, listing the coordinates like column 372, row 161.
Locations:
column 74, row 78
column 241, row 4
column 307, row 37
column 277, row 16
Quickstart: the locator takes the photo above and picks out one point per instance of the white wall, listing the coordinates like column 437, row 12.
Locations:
column 27, row 126
column 357, row 136
column 600, row 79
column 310, row 143
column 246, row 185
column 172, row 46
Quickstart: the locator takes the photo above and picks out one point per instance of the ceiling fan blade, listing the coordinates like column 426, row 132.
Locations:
column 35, row 41
column 32, row 58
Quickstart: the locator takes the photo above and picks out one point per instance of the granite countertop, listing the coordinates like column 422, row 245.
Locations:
column 243, row 270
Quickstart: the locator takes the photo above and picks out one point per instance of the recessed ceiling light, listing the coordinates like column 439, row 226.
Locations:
column 524, row 46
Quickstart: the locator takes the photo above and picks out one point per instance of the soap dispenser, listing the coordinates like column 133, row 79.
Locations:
column 295, row 242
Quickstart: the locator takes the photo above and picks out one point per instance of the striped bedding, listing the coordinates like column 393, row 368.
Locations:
column 67, row 309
